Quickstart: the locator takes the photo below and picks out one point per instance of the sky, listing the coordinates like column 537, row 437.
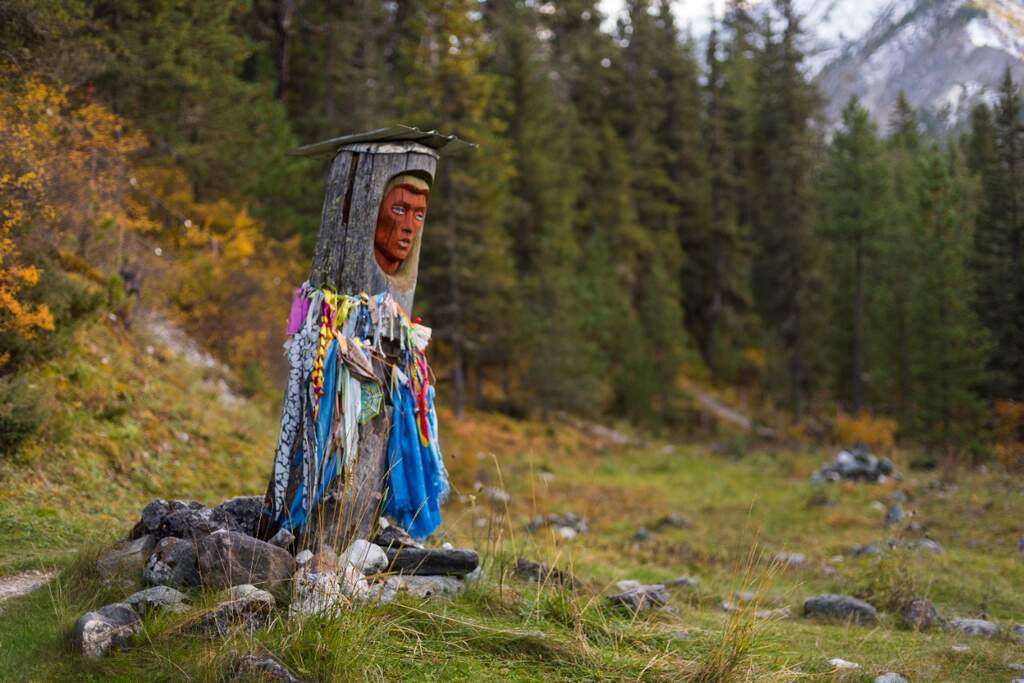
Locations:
column 695, row 13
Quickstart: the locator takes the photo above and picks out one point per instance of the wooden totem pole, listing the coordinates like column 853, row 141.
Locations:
column 369, row 242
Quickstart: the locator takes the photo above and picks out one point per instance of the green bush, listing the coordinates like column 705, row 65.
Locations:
column 20, row 414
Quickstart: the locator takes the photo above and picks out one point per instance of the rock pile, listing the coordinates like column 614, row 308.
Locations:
column 856, row 464
column 179, row 545
column 564, row 525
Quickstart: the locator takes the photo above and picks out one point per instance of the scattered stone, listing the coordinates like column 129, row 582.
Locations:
column 899, row 497
column 534, row 571
column 929, row 545
column 158, row 598
column 641, row 597
column 790, row 559
column 228, row 558
column 921, row 615
column 878, row 505
column 474, row 575
column 729, row 607
column 843, row 664
column 546, row 477
column 891, row 677
column 642, row 534
column 681, row 634
column 282, row 539
column 974, row 627
column 325, row 561
column 673, row 521
column 894, row 515
column 1018, row 632
column 960, row 648
column 96, row 633
column 1015, row 666
column 497, row 496
column 685, row 581
column 369, row 558
column 316, row 593
column 558, row 522
column 172, row 563
column 394, row 536
column 245, row 606
column 126, row 557
column 773, row 614
column 841, row 607
column 303, row 558
column 180, row 518
column 566, row 533
column 264, row 669
column 432, row 562
column 855, row 464
column 869, row 549
column 745, row 596
column 424, row 587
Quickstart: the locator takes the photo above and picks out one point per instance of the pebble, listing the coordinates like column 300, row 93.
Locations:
column 838, row 663
column 960, row 648
column 790, row 559
column 891, row 677
column 974, row 627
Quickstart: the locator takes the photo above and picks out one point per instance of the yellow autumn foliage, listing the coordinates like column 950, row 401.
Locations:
column 877, row 433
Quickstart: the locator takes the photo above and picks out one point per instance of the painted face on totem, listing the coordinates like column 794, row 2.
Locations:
column 399, row 221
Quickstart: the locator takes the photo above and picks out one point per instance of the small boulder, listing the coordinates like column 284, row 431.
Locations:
column 228, row 558
column 920, row 615
column 369, row 558
column 891, row 677
column 974, row 627
column 539, row 573
column 249, row 667
column 244, row 606
column 316, row 593
column 282, row 539
column 928, row 545
column 126, row 558
column 638, row 597
column 841, row 607
column 158, row 598
column 838, row 663
column 432, row 562
column 172, row 563
column 96, row 633
column 424, row 587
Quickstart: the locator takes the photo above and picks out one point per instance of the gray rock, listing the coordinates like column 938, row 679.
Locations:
column 894, row 514
column 855, row 464
column 974, row 627
column 641, row 597
column 264, row 669
column 394, row 537
column 155, row 514
column 96, row 633
column 556, row 520
column 921, row 615
column 127, row 557
column 841, row 607
column 642, row 534
column 673, row 521
column 433, row 561
column 228, row 558
column 424, row 587
column 369, row 558
column 244, row 606
column 1018, row 632
column 891, row 677
column 173, row 563
column 790, row 559
column 244, row 512
column 684, row 581
column 899, row 497
column 160, row 598
column 868, row 549
column 745, row 596
column 496, row 496
column 282, row 539
column 1015, row 666
column 929, row 545
column 539, row 573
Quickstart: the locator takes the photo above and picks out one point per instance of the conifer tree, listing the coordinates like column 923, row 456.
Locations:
column 467, row 270
column 855, row 189
column 949, row 347
column 999, row 242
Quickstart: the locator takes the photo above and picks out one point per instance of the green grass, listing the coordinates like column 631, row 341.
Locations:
column 111, row 442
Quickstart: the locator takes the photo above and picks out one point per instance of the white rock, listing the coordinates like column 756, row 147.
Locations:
column 627, row 585
column 891, row 677
column 354, row 583
column 447, row 546
column 843, row 664
column 303, row 558
column 960, row 648
column 474, row 575
column 247, row 591
column 566, row 533
column 369, row 558
column 316, row 593
column 96, row 633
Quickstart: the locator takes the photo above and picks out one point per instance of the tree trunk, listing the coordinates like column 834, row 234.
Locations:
column 857, row 380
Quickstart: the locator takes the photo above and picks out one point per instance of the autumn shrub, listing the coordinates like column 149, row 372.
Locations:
column 1008, row 430
column 877, row 433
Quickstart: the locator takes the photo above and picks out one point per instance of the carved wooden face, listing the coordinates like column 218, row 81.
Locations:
column 399, row 221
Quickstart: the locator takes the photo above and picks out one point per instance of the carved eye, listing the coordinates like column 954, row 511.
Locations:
column 420, row 215
column 398, row 210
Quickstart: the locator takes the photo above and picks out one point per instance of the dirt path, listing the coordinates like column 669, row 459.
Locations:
column 23, row 582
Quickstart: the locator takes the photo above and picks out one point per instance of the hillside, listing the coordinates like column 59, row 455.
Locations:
column 129, row 419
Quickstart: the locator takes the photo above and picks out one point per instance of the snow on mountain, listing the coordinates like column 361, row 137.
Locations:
column 946, row 55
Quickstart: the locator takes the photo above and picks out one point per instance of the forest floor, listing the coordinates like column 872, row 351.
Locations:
column 128, row 419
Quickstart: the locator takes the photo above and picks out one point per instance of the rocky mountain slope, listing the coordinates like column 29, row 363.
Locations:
column 945, row 54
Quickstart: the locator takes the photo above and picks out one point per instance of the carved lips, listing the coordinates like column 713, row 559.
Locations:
column 399, row 221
